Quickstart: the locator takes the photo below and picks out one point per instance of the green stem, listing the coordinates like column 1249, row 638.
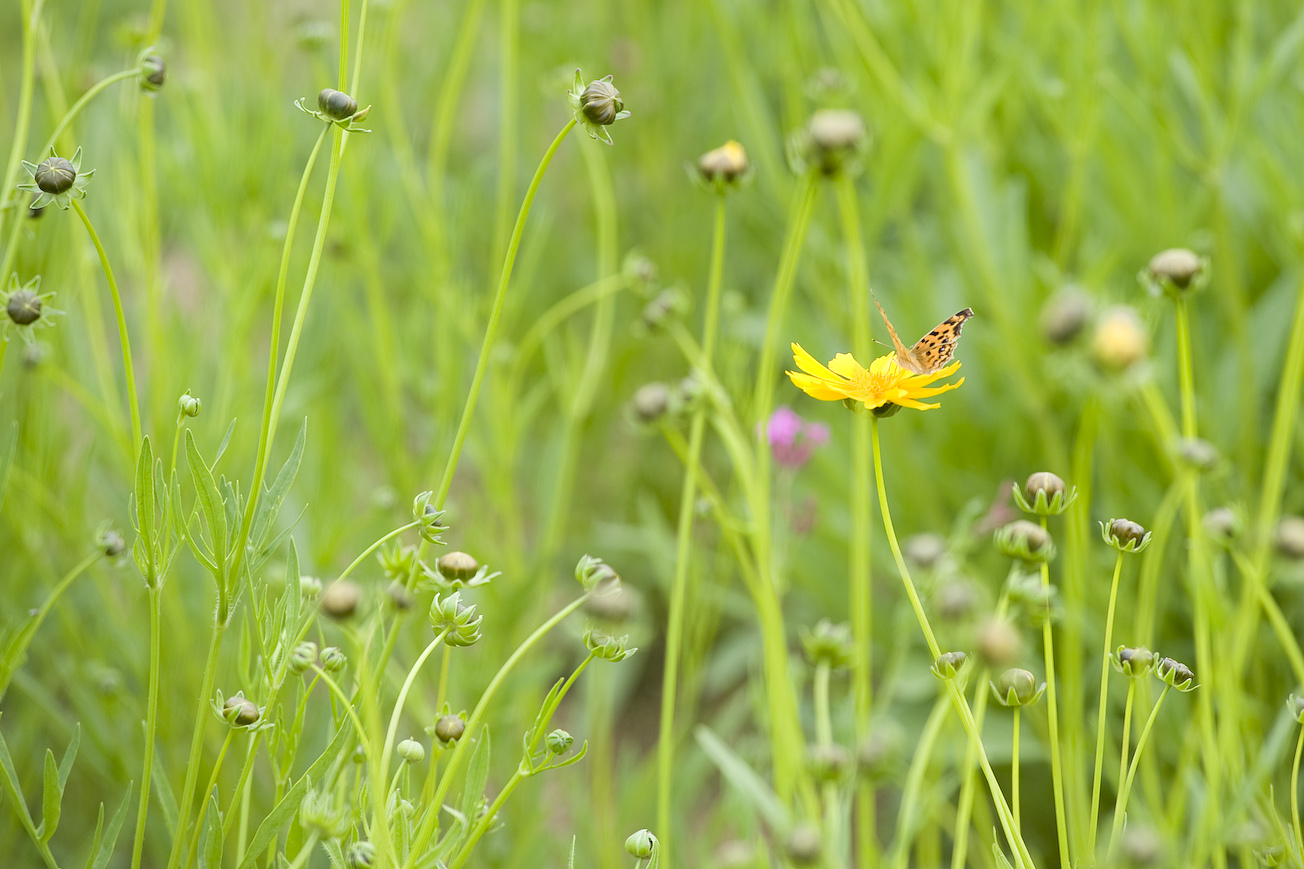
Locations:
column 684, row 543
column 195, row 757
column 1014, row 772
column 1052, row 718
column 402, row 699
column 1120, row 806
column 907, row 826
column 495, row 315
column 151, row 721
column 16, row 651
column 1281, row 440
column 346, row 703
column 1186, row 376
column 31, row 23
column 1104, row 694
column 861, row 558
column 122, row 324
column 193, row 848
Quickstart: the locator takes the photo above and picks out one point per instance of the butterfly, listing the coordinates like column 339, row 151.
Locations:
column 933, row 350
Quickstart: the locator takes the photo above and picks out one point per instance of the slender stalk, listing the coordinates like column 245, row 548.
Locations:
column 1014, row 772
column 122, row 324
column 684, row 543
column 1281, row 440
column 402, row 699
column 907, row 825
column 27, row 79
column 1104, row 695
column 151, row 721
column 1294, row 795
column 195, row 757
column 1120, row 806
column 859, row 580
column 495, row 315
column 193, row 847
column 1053, row 718
column 824, row 737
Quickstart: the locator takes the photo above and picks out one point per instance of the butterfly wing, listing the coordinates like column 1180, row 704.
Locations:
column 936, row 348
column 905, row 356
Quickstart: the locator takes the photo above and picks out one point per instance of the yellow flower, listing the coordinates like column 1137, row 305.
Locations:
column 885, row 382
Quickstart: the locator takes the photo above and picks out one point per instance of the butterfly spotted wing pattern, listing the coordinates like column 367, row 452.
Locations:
column 932, row 351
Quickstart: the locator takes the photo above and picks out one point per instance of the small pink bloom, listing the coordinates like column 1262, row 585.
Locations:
column 792, row 439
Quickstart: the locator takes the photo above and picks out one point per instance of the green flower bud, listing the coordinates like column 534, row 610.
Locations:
column 612, row 605
column 1295, row 704
column 110, row 542
column 24, row 307
column 457, row 565
column 56, row 180
column 430, row 517
column 333, row 659
column 828, row 645
column 1136, row 662
column 449, row 729
column 411, row 751
column 594, row 573
column 1176, row 270
column 834, row 141
column 1044, row 494
column 1125, row 535
column 55, row 175
column 336, row 105
column 360, row 855
column 559, row 742
column 240, row 711
column 596, row 105
column 948, row 664
column 651, row 401
column 340, row 600
column 1016, row 687
column 188, row 405
column 828, row 762
column 1065, row 315
column 804, row 845
column 459, row 623
column 153, row 73
column 1026, row 541
column 999, row 643
column 309, row 587
column 303, row 656
column 641, row 845
column 607, row 648
column 1176, row 674
column 317, row 813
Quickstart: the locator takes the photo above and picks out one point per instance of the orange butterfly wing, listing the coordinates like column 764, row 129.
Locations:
column 932, row 351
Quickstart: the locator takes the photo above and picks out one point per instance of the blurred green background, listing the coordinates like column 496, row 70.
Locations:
column 1017, row 149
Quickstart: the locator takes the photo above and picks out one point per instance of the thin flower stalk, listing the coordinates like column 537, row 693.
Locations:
column 1294, row 795
column 679, row 591
column 908, row 821
column 1052, row 716
column 1120, row 805
column 1104, row 697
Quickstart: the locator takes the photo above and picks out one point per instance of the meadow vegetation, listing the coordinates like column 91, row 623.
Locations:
column 417, row 447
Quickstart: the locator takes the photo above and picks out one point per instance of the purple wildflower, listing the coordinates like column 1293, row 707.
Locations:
column 792, row 439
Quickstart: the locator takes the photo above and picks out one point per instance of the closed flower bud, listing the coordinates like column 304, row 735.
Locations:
column 613, row 605
column 1197, row 454
column 360, row 855
column 1295, row 704
column 24, row 307
column 834, row 141
column 457, row 565
column 411, row 751
column 1222, row 524
column 593, row 573
column 309, row 586
column 660, row 311
column 559, row 742
column 336, row 105
column 459, row 624
column 240, row 711
column 1025, row 541
column 828, row 645
column 607, row 648
column 1176, row 270
column 948, row 664
column 449, row 729
column 153, row 73
column 1016, row 687
column 924, row 550
column 999, row 643
column 111, row 543
column 188, row 405
column 1125, row 535
column 723, row 166
column 55, row 175
column 955, row 599
column 601, row 103
column 1044, row 494
column 340, row 599
column 1290, row 537
column 429, row 516
column 333, row 659
column 1176, row 674
column 1065, row 315
column 1135, row 662
column 303, row 656
column 1120, row 340
column 804, row 845
column 641, row 845
column 651, row 401
column 828, row 762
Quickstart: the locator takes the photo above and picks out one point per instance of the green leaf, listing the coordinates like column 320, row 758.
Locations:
column 270, row 505
column 111, row 835
column 210, row 500
column 1000, row 856
column 65, row 766
column 477, row 775
column 7, row 450
column 51, row 798
column 226, row 441
column 146, row 521
column 211, row 858
column 12, row 787
column 744, row 779
column 271, row 826
column 167, row 801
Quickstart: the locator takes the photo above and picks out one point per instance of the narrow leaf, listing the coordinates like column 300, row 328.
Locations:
column 97, row 838
column 145, row 517
column 65, row 766
column 167, row 801
column 226, row 441
column 210, row 500
column 477, row 774
column 111, row 834
column 212, row 855
column 12, row 787
column 51, row 798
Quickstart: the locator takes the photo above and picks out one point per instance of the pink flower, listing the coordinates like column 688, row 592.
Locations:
column 792, row 439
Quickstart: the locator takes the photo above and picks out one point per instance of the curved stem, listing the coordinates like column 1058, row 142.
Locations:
column 1120, row 807
column 193, row 848
column 122, row 324
column 684, row 543
column 151, row 721
column 1294, row 794
column 402, row 699
column 27, row 80
column 495, row 315
column 1104, row 693
column 373, row 547
column 1052, row 718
